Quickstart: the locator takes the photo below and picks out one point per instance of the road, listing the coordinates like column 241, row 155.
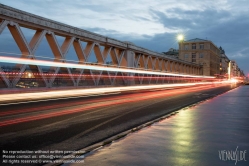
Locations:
column 72, row 124
column 204, row 134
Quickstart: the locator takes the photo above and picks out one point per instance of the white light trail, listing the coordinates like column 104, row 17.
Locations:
column 6, row 98
column 90, row 67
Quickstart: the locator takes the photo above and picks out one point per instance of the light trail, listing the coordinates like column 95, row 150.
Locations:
column 87, row 75
column 98, row 103
column 90, row 67
column 13, row 112
column 37, row 76
column 6, row 98
column 13, row 74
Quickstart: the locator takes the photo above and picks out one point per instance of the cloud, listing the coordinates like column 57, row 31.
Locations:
column 190, row 20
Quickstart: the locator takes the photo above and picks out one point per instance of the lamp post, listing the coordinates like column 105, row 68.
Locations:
column 180, row 39
column 229, row 70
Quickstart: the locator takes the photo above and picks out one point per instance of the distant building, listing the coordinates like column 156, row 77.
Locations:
column 224, row 63
column 203, row 52
column 234, row 68
column 172, row 52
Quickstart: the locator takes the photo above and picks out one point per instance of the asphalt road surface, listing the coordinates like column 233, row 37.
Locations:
column 72, row 124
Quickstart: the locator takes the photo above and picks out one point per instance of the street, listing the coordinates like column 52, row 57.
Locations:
column 72, row 124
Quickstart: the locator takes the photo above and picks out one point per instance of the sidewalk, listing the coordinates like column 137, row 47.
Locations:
column 199, row 135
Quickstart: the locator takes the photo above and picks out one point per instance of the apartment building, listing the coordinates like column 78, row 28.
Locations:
column 224, row 63
column 203, row 52
column 235, row 70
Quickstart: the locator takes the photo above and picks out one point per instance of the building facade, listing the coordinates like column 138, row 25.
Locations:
column 202, row 52
column 235, row 70
column 224, row 63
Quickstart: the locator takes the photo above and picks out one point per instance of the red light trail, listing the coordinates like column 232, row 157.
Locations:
column 91, row 104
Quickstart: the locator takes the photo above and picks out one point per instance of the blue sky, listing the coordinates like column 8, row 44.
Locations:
column 155, row 24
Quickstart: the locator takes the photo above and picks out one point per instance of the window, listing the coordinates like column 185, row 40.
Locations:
column 201, row 46
column 186, row 56
column 186, row 46
column 201, row 55
column 193, row 55
column 194, row 46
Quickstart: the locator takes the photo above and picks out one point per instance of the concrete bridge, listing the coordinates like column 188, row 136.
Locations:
column 124, row 55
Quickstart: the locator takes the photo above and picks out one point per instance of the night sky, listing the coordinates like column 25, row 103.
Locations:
column 150, row 24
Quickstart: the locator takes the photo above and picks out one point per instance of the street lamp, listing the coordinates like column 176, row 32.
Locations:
column 229, row 70
column 180, row 37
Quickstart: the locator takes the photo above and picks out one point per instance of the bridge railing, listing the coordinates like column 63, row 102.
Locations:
column 87, row 46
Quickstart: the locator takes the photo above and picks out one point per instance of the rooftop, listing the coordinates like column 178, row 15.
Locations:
column 197, row 40
column 200, row 40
